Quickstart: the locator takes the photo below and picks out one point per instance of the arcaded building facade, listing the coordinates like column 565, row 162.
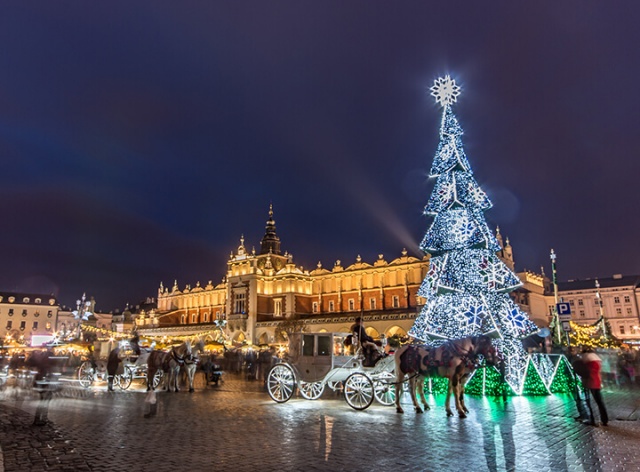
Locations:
column 264, row 291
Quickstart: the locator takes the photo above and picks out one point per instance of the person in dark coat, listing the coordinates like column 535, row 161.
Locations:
column 114, row 359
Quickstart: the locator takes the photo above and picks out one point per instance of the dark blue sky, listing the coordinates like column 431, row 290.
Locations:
column 139, row 140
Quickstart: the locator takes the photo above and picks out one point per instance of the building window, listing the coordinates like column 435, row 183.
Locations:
column 194, row 318
column 331, row 306
column 239, row 303
column 616, row 299
column 36, row 314
column 595, row 301
column 183, row 319
column 581, row 313
column 314, row 307
column 49, row 314
column 35, row 325
column 217, row 315
column 25, row 300
column 618, row 311
column 580, row 302
column 9, row 324
column 23, row 325
column 38, row 301
column 48, row 326
column 10, row 311
column 629, row 311
column 572, row 302
column 622, row 329
column 372, row 303
column 277, row 307
column 627, row 299
column 352, row 304
column 396, row 301
column 24, row 312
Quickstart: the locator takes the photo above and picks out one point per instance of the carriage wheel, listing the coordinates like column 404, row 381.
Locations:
column 157, row 378
column 311, row 390
column 358, row 391
column 385, row 389
column 281, row 383
column 85, row 374
column 124, row 379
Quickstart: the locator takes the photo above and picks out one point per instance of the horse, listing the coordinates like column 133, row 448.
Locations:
column 169, row 362
column 191, row 363
column 454, row 360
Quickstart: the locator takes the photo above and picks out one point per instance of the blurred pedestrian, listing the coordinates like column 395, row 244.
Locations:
column 580, row 369
column 593, row 383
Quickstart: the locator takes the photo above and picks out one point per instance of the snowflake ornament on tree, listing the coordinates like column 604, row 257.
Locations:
column 445, row 90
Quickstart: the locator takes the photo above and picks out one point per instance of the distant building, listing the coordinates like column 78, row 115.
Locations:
column 620, row 299
column 85, row 313
column 25, row 315
column 264, row 292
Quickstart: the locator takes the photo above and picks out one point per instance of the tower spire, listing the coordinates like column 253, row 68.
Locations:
column 270, row 241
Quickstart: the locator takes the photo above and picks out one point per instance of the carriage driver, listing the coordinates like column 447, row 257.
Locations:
column 368, row 345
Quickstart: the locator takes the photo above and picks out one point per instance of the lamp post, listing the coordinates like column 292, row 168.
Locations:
column 601, row 307
column 555, row 295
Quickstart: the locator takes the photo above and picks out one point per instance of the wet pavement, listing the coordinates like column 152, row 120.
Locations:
column 236, row 426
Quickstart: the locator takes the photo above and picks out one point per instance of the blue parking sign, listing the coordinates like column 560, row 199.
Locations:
column 564, row 311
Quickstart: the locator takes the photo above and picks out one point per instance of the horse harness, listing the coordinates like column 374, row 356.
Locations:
column 411, row 362
column 179, row 360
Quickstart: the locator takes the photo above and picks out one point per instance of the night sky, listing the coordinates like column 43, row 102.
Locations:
column 140, row 140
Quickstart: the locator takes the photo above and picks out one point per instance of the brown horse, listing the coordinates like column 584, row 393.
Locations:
column 454, row 360
column 169, row 362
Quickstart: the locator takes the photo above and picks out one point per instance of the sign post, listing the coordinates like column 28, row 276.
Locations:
column 564, row 316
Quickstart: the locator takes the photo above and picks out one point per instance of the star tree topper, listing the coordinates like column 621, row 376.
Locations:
column 445, row 90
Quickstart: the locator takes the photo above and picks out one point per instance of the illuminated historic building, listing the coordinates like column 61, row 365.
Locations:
column 616, row 298
column 264, row 293
column 26, row 317
column 264, row 290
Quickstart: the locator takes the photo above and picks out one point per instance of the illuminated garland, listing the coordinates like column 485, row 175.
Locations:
column 467, row 286
column 118, row 335
column 591, row 335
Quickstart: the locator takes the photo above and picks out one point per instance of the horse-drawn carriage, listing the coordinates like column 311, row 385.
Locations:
column 317, row 360
column 136, row 369
column 130, row 366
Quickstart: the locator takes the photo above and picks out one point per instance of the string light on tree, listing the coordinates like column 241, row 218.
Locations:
column 467, row 287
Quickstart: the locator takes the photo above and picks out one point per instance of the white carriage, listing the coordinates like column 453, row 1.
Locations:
column 132, row 367
column 317, row 360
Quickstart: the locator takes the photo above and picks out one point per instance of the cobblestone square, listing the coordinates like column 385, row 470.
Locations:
column 238, row 427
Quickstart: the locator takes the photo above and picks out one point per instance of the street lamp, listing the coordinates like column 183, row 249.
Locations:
column 600, row 305
column 556, row 318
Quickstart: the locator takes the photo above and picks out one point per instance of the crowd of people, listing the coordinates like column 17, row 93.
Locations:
column 253, row 363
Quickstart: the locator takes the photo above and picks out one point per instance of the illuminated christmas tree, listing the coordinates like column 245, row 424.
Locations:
column 467, row 286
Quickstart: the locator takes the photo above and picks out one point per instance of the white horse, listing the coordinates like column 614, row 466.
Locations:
column 191, row 362
column 454, row 360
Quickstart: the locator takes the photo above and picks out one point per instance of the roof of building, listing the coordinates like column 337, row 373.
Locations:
column 605, row 282
column 19, row 297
